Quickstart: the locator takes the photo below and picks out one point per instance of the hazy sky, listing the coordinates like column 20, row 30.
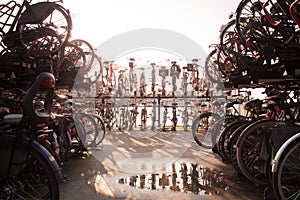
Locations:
column 98, row 20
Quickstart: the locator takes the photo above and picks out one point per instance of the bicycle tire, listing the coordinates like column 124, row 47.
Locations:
column 96, row 134
column 249, row 146
column 205, row 129
column 211, row 66
column 100, row 135
column 72, row 59
column 34, row 178
column 88, row 52
column 239, row 25
column 58, row 19
column 257, row 29
column 225, row 136
column 232, row 147
column 285, row 179
column 231, row 59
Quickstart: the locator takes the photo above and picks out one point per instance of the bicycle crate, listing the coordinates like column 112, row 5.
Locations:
column 8, row 13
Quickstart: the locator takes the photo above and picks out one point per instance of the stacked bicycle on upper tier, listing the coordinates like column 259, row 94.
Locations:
column 39, row 65
column 261, row 48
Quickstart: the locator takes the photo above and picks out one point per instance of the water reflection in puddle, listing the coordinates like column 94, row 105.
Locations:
column 181, row 177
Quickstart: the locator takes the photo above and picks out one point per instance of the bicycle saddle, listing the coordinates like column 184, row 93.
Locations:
column 45, row 83
column 253, row 104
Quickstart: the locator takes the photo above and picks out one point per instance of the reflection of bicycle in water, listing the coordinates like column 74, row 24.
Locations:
column 174, row 73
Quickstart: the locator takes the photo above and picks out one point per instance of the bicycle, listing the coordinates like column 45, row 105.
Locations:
column 165, row 117
column 174, row 73
column 153, row 78
column 144, row 117
column 153, row 115
column 25, row 25
column 174, row 116
column 122, row 83
column 133, row 116
column 123, row 118
column 109, row 76
column 185, row 116
column 285, row 169
column 142, row 89
column 132, row 76
column 270, row 31
column 284, row 111
column 184, row 83
column 28, row 170
column 163, row 72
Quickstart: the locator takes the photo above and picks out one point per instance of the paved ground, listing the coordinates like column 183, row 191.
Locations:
column 153, row 165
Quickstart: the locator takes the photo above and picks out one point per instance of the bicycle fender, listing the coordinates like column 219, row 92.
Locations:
column 10, row 141
column 276, row 159
column 50, row 160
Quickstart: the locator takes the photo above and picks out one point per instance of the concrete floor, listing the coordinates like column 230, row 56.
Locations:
column 153, row 165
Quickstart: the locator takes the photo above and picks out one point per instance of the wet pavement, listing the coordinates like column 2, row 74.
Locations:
column 153, row 165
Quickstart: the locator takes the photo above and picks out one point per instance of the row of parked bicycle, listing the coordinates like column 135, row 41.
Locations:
column 38, row 59
column 259, row 48
column 263, row 143
column 260, row 42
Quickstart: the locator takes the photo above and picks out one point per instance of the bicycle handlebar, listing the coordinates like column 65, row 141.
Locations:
column 270, row 20
column 292, row 12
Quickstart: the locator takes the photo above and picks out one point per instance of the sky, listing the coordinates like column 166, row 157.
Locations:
column 98, row 20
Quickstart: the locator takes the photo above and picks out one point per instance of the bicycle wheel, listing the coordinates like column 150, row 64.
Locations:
column 232, row 56
column 231, row 148
column 257, row 32
column 71, row 60
column 94, row 129
column 286, row 179
column 40, row 43
column 88, row 51
column 100, row 135
column 30, row 174
column 225, row 136
column 211, row 66
column 205, row 129
column 252, row 11
column 53, row 16
column 250, row 151
column 123, row 120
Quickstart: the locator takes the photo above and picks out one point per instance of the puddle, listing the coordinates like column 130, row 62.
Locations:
column 181, row 177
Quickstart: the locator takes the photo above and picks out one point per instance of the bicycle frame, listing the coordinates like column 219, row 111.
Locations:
column 286, row 9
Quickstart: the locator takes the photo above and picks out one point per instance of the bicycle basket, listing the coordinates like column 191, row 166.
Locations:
column 36, row 13
column 8, row 13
